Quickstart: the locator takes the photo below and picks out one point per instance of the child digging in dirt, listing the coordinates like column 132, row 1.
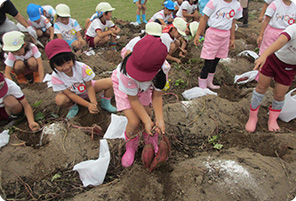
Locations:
column 277, row 62
column 278, row 16
column 219, row 37
column 102, row 29
column 13, row 103
column 171, row 35
column 39, row 22
column 133, row 81
column 164, row 16
column 67, row 28
column 73, row 81
column 24, row 59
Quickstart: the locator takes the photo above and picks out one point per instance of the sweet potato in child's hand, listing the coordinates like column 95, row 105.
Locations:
column 162, row 155
column 147, row 155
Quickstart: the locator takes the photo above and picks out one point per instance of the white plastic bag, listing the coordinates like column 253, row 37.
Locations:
column 289, row 109
column 249, row 53
column 116, row 128
column 246, row 77
column 4, row 138
column 196, row 92
column 93, row 172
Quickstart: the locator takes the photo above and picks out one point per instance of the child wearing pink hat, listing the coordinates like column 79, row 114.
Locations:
column 278, row 16
column 137, row 82
column 74, row 81
column 220, row 15
column 13, row 103
column 277, row 62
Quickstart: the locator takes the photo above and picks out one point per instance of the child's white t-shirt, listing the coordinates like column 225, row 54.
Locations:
column 98, row 24
column 167, row 39
column 185, row 6
column 44, row 22
column 131, row 44
column 49, row 10
column 269, row 1
column 76, row 84
column 160, row 15
column 130, row 86
column 33, row 52
column 13, row 90
column 281, row 14
column 287, row 54
column 68, row 31
column 221, row 13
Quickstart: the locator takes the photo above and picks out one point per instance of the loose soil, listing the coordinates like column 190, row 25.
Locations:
column 257, row 166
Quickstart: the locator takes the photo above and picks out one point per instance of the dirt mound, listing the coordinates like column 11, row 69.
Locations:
column 212, row 158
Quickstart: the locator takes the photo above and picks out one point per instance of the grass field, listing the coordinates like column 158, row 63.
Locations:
column 82, row 9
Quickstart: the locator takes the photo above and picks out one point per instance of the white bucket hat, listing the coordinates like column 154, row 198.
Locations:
column 153, row 28
column 193, row 26
column 63, row 10
column 104, row 7
column 13, row 41
column 180, row 24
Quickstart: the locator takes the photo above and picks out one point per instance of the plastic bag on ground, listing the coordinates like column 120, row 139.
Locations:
column 196, row 92
column 289, row 109
column 116, row 128
column 47, row 79
column 4, row 138
column 249, row 53
column 246, row 77
column 93, row 172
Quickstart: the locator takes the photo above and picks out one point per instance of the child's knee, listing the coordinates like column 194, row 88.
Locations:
column 19, row 66
column 32, row 63
column 134, row 123
column 62, row 100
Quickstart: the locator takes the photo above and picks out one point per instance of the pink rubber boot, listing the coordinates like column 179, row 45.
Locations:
column 272, row 123
column 202, row 83
column 131, row 147
column 252, row 122
column 210, row 81
column 153, row 140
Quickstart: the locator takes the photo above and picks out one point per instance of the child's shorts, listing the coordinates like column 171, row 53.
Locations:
column 270, row 35
column 142, row 1
column 3, row 114
column 281, row 72
column 70, row 42
column 216, row 44
column 122, row 102
column 90, row 41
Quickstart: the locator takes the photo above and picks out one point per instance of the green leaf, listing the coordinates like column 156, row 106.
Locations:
column 37, row 103
column 39, row 116
column 56, row 176
column 218, row 146
column 213, row 139
column 54, row 115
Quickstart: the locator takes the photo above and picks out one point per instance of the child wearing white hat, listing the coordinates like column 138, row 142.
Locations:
column 68, row 28
column 24, row 58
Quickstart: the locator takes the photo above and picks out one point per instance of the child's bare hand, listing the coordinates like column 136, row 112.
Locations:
column 92, row 108
column 259, row 40
column 232, row 44
column 34, row 126
column 181, row 54
column 148, row 127
column 177, row 60
column 160, row 127
column 259, row 63
column 196, row 40
column 260, row 19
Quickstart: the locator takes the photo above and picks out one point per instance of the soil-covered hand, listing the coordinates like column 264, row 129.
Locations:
column 148, row 127
column 160, row 127
column 34, row 126
column 92, row 108
column 196, row 40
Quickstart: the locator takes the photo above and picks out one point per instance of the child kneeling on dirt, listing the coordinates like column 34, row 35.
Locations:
column 277, row 62
column 24, row 59
column 39, row 22
column 171, row 35
column 165, row 16
column 138, row 81
column 102, row 29
column 73, row 80
column 67, row 28
column 13, row 103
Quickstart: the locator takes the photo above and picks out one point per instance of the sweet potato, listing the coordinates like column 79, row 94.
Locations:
column 162, row 155
column 147, row 155
column 242, row 79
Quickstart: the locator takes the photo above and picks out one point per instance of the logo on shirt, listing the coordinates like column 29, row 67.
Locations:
column 285, row 18
column 227, row 15
column 88, row 71
column 73, row 31
column 78, row 87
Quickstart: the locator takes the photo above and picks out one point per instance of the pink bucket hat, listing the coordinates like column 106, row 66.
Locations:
column 3, row 86
column 55, row 47
column 147, row 58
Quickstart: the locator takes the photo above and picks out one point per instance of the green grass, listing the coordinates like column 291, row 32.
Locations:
column 82, row 9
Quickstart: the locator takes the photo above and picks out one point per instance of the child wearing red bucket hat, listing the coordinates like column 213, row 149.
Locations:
column 74, row 80
column 24, row 58
column 13, row 103
column 137, row 82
